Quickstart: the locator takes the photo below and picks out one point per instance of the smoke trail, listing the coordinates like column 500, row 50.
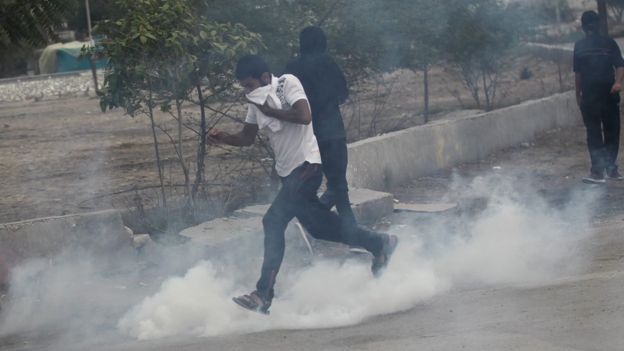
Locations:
column 518, row 239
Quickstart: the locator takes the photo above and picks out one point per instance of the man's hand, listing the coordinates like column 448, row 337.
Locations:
column 616, row 88
column 215, row 136
column 265, row 109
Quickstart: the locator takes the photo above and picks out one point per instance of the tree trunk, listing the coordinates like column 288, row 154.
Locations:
column 602, row 12
column 486, row 92
column 156, row 150
column 181, row 150
column 426, row 89
column 201, row 151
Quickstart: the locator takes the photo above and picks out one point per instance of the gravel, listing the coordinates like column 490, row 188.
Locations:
column 48, row 87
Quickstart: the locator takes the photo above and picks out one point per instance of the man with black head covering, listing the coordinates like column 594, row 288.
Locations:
column 599, row 70
column 326, row 88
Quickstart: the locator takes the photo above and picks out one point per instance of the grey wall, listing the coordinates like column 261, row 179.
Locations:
column 395, row 158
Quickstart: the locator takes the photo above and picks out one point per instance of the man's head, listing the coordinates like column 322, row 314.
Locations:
column 312, row 41
column 590, row 21
column 252, row 72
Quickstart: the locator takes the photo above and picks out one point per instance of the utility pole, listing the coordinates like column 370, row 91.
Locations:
column 91, row 42
column 602, row 13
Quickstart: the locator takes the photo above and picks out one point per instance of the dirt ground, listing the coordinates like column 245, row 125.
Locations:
column 65, row 156
column 553, row 163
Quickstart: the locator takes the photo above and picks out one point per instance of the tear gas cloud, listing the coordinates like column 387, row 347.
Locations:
column 517, row 240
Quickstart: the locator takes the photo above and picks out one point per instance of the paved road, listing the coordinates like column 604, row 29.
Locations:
column 583, row 312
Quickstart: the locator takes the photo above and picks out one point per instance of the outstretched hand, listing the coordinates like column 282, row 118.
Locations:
column 616, row 88
column 215, row 136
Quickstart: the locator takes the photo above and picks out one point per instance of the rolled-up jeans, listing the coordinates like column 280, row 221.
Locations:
column 297, row 198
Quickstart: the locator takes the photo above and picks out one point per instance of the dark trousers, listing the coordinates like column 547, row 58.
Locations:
column 335, row 157
column 297, row 198
column 601, row 117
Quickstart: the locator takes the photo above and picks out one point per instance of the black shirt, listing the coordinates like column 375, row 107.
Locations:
column 326, row 88
column 595, row 58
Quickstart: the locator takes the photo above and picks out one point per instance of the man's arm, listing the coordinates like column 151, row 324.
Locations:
column 577, row 86
column 618, row 63
column 245, row 137
column 342, row 93
column 298, row 114
column 619, row 76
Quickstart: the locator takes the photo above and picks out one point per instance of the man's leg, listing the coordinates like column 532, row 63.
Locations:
column 274, row 223
column 595, row 144
column 324, row 224
column 611, row 129
column 335, row 157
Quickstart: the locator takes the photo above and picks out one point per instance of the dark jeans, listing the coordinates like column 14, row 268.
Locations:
column 297, row 198
column 601, row 116
column 334, row 157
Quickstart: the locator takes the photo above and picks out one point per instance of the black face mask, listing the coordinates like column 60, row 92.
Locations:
column 312, row 41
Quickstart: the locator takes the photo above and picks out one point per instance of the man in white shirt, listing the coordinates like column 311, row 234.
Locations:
column 298, row 163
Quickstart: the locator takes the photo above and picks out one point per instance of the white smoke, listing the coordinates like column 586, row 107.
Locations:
column 518, row 239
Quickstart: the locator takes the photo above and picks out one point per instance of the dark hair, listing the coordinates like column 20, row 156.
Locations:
column 251, row 66
column 590, row 21
column 312, row 41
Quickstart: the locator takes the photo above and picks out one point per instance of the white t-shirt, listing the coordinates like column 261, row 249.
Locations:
column 294, row 143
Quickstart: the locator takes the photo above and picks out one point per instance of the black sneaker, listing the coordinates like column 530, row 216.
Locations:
column 614, row 174
column 253, row 302
column 380, row 262
column 594, row 178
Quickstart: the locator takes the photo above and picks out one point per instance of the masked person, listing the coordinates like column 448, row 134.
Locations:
column 279, row 106
column 326, row 88
column 599, row 69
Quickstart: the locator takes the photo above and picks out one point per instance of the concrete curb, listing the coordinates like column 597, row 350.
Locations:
column 394, row 158
column 369, row 207
column 92, row 233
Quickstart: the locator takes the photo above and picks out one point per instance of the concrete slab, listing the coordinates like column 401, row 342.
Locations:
column 224, row 230
column 426, row 208
column 254, row 210
column 95, row 233
column 369, row 206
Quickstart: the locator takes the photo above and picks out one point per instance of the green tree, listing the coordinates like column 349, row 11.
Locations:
column 480, row 37
column 162, row 53
column 615, row 9
column 277, row 20
column 99, row 10
column 25, row 25
column 31, row 22
column 412, row 32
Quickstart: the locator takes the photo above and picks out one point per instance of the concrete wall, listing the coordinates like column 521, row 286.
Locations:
column 394, row 158
column 92, row 233
column 557, row 53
